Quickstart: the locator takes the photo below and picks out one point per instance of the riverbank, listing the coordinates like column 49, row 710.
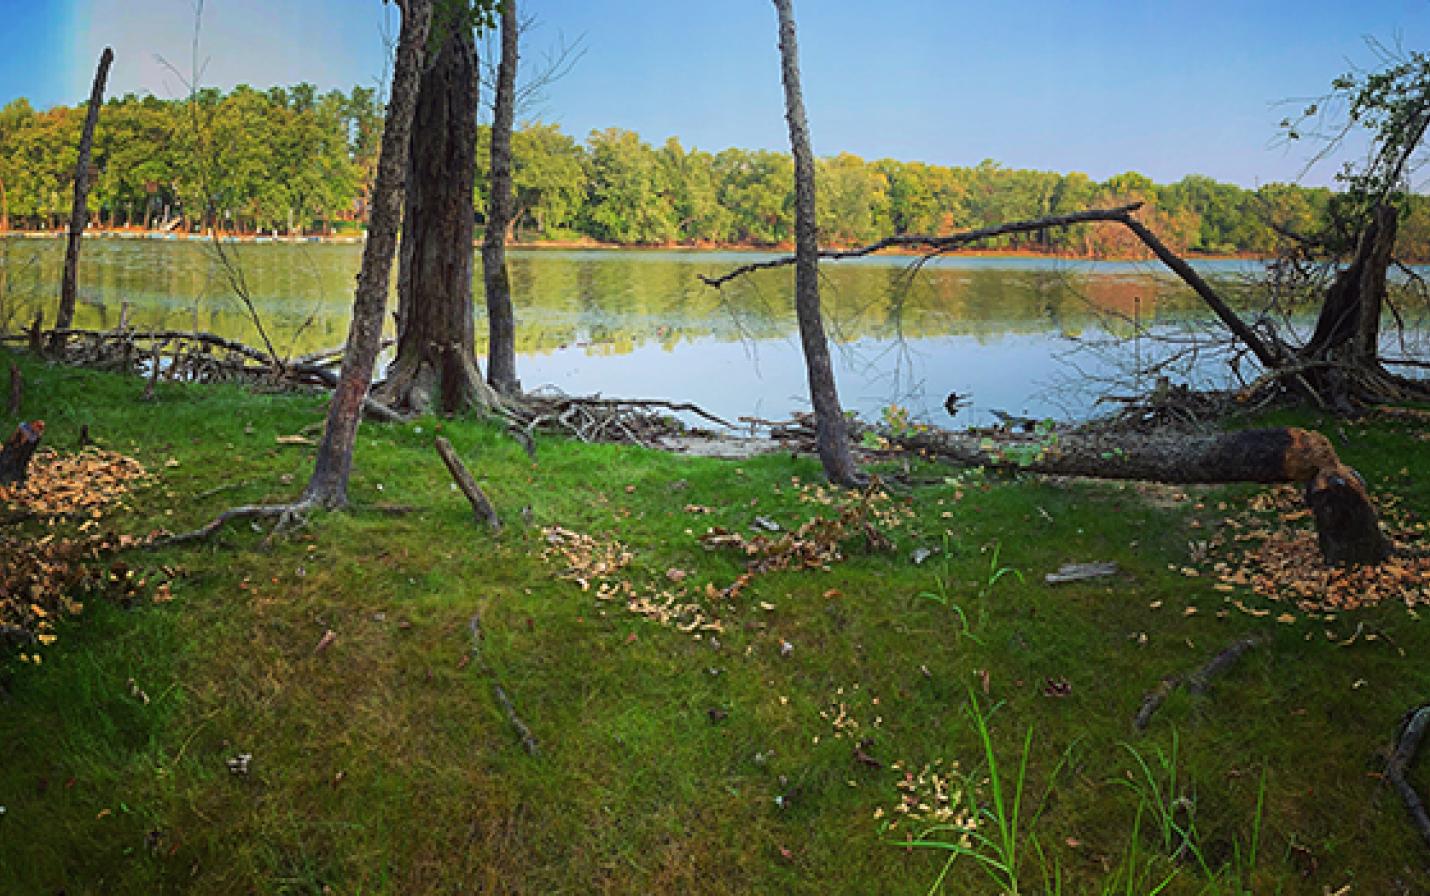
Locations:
column 312, row 714
column 591, row 244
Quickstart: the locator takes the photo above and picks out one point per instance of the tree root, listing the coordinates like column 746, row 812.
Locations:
column 289, row 515
column 1197, row 683
column 1407, row 743
column 523, row 733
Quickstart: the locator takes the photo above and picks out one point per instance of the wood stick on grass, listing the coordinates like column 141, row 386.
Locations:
column 1398, row 767
column 481, row 506
column 528, row 740
column 1197, row 682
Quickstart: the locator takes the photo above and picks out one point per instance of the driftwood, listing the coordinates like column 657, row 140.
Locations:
column 15, row 454
column 1412, row 732
column 481, row 505
column 1346, row 521
column 1196, row 683
column 528, row 740
column 1077, row 572
column 17, row 389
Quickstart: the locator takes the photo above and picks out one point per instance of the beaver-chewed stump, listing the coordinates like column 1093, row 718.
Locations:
column 15, row 454
column 1347, row 526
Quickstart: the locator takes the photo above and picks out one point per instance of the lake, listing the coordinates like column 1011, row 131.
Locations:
column 1041, row 337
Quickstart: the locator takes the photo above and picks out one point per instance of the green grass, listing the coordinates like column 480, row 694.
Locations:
column 384, row 764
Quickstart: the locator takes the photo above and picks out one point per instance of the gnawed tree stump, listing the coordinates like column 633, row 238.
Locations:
column 1346, row 523
column 15, row 454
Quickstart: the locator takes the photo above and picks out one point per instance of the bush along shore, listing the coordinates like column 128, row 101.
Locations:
column 666, row 673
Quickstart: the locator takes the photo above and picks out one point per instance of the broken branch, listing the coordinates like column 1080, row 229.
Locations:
column 481, row 505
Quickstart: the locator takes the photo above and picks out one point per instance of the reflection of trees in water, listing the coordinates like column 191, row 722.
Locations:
column 610, row 302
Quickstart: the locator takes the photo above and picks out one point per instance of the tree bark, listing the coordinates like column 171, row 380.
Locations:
column 1348, row 327
column 1346, row 522
column 79, row 213
column 831, row 430
column 17, row 450
column 501, row 322
column 436, row 361
column 328, row 486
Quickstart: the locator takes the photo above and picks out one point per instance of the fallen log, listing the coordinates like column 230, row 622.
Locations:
column 1346, row 523
column 15, row 454
column 481, row 505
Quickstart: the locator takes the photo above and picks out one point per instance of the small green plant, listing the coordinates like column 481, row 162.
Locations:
column 942, row 592
column 996, row 572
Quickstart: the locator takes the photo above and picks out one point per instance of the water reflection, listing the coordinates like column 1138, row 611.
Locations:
column 641, row 323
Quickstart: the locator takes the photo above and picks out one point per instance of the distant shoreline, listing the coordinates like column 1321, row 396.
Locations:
column 587, row 243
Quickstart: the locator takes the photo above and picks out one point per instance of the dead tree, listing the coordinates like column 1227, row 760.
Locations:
column 1346, row 523
column 79, row 212
column 501, row 322
column 436, row 362
column 832, row 439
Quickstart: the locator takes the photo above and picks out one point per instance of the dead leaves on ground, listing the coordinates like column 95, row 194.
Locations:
column 603, row 565
column 44, row 578
column 1270, row 549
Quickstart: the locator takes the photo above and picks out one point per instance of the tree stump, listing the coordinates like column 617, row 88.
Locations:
column 15, row 454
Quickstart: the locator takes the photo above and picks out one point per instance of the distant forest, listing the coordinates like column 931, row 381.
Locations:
column 293, row 160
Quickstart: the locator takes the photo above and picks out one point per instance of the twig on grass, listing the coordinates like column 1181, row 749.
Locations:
column 1197, row 682
column 528, row 740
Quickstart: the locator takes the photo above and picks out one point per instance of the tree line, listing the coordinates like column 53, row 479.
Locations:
column 293, row 160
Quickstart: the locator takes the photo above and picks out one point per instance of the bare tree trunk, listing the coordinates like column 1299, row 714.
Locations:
column 831, row 432
column 79, row 213
column 4, row 207
column 1346, row 521
column 329, row 484
column 436, row 355
column 501, row 350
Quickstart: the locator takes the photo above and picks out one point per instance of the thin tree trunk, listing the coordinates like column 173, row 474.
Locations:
column 78, row 214
column 501, row 351
column 831, row 438
column 436, row 356
column 4, row 207
column 329, row 484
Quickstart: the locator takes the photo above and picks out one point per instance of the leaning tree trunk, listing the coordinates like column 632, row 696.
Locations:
column 1348, row 327
column 329, row 484
column 1346, row 522
column 436, row 361
column 501, row 351
column 831, row 431
column 80, row 212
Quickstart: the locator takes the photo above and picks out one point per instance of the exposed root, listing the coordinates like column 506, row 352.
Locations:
column 528, row 740
column 1412, row 731
column 288, row 516
column 1198, row 682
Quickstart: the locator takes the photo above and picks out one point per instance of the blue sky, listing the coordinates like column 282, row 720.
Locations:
column 1164, row 87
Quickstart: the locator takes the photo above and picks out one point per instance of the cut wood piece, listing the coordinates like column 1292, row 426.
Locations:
column 15, row 454
column 1076, row 572
column 481, row 506
column 1346, row 520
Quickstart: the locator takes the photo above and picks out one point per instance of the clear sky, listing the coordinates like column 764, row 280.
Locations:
column 1165, row 87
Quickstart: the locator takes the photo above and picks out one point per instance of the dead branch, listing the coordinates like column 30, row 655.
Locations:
column 528, row 740
column 1407, row 744
column 1196, row 683
column 481, row 505
column 287, row 514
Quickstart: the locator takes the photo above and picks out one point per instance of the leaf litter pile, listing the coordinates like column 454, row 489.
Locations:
column 604, row 565
column 1270, row 549
column 43, row 577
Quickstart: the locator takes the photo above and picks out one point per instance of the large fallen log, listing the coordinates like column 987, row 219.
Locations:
column 1346, row 522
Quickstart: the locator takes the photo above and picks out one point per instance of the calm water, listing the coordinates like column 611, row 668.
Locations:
column 636, row 323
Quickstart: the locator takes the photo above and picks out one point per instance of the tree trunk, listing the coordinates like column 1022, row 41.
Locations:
column 1346, row 521
column 329, row 484
column 4, row 207
column 501, row 351
column 831, row 438
column 78, row 214
column 436, row 360
column 1348, row 327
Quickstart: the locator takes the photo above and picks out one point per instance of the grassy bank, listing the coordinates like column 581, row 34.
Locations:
column 770, row 755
